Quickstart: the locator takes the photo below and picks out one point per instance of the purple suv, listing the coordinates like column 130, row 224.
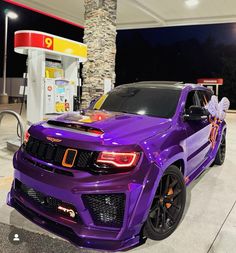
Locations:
column 111, row 176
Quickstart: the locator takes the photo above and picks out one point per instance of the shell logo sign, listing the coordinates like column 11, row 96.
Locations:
column 49, row 88
column 210, row 81
column 25, row 40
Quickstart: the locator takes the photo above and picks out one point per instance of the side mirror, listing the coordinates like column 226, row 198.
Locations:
column 196, row 113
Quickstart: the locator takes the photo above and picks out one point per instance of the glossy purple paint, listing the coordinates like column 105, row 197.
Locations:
column 162, row 143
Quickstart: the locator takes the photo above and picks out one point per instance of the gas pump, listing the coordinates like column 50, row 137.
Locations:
column 53, row 72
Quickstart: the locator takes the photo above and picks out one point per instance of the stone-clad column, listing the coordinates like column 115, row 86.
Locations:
column 100, row 37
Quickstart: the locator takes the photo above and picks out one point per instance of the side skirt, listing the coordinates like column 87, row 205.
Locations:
column 196, row 173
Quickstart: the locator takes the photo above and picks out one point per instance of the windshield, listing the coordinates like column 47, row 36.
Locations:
column 151, row 101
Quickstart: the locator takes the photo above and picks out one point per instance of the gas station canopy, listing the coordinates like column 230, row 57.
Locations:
column 148, row 13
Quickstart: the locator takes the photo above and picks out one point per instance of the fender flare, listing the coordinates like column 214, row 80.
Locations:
column 176, row 153
column 169, row 156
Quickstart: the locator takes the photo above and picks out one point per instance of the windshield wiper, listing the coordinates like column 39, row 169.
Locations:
column 129, row 112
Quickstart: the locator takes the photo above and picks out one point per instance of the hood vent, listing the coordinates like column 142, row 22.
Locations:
column 76, row 127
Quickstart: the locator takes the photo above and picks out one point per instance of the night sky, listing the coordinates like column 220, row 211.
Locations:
column 179, row 54
column 172, row 53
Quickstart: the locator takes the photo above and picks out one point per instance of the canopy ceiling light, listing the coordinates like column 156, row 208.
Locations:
column 191, row 3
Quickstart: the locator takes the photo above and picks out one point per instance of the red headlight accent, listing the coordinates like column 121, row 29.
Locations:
column 119, row 159
column 26, row 137
column 95, row 131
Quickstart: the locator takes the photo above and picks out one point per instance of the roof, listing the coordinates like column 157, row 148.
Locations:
column 174, row 85
column 156, row 84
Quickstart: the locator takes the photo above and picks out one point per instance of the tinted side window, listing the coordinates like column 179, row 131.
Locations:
column 192, row 99
column 204, row 97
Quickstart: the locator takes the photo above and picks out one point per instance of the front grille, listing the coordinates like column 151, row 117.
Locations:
column 83, row 158
column 49, row 168
column 54, row 153
column 106, row 209
column 48, row 203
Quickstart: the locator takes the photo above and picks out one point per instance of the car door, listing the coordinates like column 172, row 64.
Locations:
column 197, row 142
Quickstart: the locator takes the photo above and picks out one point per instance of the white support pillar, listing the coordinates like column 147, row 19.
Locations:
column 35, row 95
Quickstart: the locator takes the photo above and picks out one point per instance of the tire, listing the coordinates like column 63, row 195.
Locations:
column 220, row 156
column 168, row 205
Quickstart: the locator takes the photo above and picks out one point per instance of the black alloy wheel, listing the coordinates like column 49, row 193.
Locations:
column 220, row 156
column 168, row 205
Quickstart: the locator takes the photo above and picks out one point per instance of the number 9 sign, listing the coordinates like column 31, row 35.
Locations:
column 48, row 43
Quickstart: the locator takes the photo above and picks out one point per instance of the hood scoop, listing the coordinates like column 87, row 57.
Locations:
column 82, row 121
column 76, row 126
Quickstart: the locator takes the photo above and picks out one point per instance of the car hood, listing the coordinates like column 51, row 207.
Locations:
column 116, row 128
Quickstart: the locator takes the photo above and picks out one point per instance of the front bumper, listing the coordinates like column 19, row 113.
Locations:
column 138, row 189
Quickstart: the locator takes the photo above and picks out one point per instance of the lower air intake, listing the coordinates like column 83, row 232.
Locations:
column 106, row 209
column 46, row 202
